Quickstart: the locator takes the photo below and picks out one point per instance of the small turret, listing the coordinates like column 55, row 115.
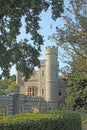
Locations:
column 52, row 50
column 19, row 78
column 42, row 63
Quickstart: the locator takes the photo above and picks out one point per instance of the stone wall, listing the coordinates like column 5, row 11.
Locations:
column 21, row 103
column 6, row 104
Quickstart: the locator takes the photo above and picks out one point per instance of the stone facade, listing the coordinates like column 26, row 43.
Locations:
column 42, row 91
column 6, row 105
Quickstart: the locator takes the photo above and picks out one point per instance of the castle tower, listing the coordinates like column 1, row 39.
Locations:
column 52, row 77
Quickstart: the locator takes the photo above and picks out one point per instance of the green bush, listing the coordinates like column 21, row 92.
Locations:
column 53, row 120
column 84, row 120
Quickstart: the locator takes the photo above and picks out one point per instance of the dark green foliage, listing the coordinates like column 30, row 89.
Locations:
column 77, row 89
column 62, row 120
column 22, row 53
column 5, row 83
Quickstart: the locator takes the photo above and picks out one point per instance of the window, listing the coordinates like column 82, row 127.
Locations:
column 60, row 93
column 29, row 91
column 42, row 91
column 32, row 91
column 42, row 73
column 22, row 109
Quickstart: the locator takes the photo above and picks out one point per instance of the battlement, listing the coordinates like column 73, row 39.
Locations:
column 42, row 63
column 51, row 50
column 29, row 98
column 6, row 98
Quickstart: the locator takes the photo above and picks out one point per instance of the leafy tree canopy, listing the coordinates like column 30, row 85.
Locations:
column 73, row 36
column 11, row 87
column 77, row 82
column 7, row 85
column 22, row 53
column 77, row 89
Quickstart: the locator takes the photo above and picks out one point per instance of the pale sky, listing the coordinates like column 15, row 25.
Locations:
column 46, row 30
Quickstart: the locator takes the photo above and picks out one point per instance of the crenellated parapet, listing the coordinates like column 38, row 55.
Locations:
column 51, row 50
column 42, row 63
column 6, row 98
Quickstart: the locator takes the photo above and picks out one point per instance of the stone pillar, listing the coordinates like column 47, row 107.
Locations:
column 16, row 100
column 19, row 79
column 52, row 77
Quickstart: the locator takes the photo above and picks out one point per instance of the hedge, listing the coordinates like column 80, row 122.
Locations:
column 53, row 120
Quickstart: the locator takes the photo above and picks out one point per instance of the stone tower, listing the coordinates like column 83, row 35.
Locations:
column 52, row 77
column 19, row 78
column 42, row 77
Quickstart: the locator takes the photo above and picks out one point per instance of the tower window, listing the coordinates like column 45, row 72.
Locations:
column 42, row 73
column 60, row 93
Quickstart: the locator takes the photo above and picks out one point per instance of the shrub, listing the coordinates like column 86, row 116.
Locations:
column 53, row 120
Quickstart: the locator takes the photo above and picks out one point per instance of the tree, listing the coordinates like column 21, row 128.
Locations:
column 7, row 84
column 73, row 38
column 22, row 53
column 11, row 87
column 77, row 89
column 78, row 64
column 77, row 82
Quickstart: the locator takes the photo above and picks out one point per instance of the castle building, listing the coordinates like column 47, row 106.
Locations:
column 45, row 82
column 44, row 90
